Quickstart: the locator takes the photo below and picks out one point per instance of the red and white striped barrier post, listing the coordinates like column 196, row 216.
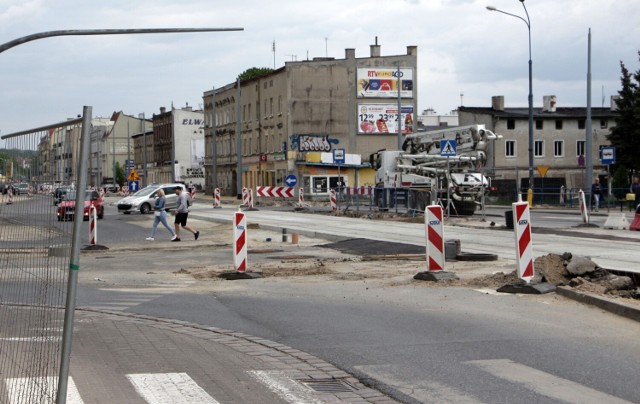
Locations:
column 216, row 198
column 10, row 193
column 583, row 208
column 93, row 229
column 434, row 230
column 240, row 242
column 245, row 196
column 334, row 201
column 524, row 245
column 300, row 197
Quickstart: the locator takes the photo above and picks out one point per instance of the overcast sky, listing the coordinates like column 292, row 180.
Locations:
column 466, row 54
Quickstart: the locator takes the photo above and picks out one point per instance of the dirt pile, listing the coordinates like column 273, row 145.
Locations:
column 583, row 274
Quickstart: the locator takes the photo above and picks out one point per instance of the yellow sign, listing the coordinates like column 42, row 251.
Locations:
column 543, row 170
column 133, row 176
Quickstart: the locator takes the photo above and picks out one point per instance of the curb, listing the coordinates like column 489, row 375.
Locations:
column 620, row 309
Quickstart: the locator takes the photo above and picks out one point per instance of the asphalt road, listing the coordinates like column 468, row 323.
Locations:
column 417, row 342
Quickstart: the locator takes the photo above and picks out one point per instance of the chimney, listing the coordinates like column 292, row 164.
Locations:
column 412, row 50
column 497, row 103
column 163, row 110
column 375, row 49
column 349, row 53
column 549, row 103
column 614, row 102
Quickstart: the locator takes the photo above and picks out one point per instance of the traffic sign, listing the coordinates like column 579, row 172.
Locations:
column 338, row 156
column 608, row 155
column 134, row 186
column 133, row 176
column 291, row 180
column 543, row 170
column 448, row 148
column 130, row 164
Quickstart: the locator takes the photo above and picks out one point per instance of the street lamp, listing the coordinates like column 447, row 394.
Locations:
column 528, row 22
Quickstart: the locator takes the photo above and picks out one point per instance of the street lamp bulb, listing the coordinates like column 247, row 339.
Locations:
column 521, row 1
column 491, row 8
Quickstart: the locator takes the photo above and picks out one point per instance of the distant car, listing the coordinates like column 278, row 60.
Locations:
column 59, row 194
column 144, row 200
column 110, row 188
column 22, row 188
column 67, row 207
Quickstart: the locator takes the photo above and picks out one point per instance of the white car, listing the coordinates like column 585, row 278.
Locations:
column 144, row 200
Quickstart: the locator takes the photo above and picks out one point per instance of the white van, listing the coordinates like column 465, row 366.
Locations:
column 144, row 200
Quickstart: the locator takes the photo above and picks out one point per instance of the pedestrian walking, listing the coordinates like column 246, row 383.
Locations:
column 182, row 213
column 596, row 191
column 160, row 216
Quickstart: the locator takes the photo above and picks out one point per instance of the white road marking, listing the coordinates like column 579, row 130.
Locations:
column 20, row 390
column 544, row 383
column 285, row 387
column 421, row 389
column 169, row 388
column 32, row 339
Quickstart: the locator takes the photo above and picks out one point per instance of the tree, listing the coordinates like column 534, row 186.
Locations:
column 119, row 173
column 625, row 136
column 254, row 72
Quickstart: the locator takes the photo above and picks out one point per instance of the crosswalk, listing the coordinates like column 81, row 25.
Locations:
column 162, row 388
column 122, row 299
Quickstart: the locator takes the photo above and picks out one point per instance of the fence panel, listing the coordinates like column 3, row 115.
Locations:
column 36, row 250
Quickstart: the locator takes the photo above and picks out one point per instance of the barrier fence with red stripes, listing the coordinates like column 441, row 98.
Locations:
column 524, row 245
column 435, row 237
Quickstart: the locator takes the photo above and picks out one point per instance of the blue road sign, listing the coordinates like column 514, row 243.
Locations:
column 134, row 186
column 338, row 156
column 448, row 148
column 608, row 155
column 291, row 180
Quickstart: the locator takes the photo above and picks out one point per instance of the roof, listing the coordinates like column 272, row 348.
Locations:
column 560, row 113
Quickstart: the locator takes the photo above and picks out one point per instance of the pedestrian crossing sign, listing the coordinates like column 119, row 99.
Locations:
column 448, row 148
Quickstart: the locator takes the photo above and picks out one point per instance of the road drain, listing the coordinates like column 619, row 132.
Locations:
column 329, row 386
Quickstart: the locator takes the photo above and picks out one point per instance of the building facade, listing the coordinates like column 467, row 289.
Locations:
column 284, row 118
column 559, row 142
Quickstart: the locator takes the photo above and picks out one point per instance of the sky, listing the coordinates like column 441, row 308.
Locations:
column 466, row 54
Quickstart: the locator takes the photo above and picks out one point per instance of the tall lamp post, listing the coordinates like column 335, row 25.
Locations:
column 528, row 22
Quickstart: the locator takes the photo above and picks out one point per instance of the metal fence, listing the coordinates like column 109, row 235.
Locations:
column 39, row 258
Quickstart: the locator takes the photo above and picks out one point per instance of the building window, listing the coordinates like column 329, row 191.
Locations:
column 511, row 124
column 604, row 123
column 510, row 148
column 558, row 148
column 279, row 103
column 322, row 184
column 580, row 148
column 558, row 124
column 538, row 148
column 271, row 106
column 270, row 83
column 265, row 84
column 581, row 124
column 539, row 124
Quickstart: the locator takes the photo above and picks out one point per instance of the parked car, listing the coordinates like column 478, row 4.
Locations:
column 59, row 194
column 111, row 188
column 67, row 207
column 144, row 200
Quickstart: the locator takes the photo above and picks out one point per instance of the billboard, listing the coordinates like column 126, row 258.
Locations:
column 383, row 118
column 383, row 83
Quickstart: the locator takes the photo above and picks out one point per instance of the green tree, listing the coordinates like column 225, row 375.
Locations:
column 119, row 173
column 254, row 72
column 625, row 136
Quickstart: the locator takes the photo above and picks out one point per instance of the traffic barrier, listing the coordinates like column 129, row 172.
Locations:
column 583, row 207
column 524, row 245
column 245, row 196
column 275, row 192
column 125, row 190
column 93, row 229
column 434, row 230
column 240, row 242
column 334, row 201
column 362, row 190
column 216, row 198
column 10, row 194
column 300, row 197
column 251, row 199
column 635, row 223
column 616, row 221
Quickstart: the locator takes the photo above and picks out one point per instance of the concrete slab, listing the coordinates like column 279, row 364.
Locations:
column 528, row 288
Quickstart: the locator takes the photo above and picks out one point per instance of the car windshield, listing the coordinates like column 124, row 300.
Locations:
column 145, row 191
column 71, row 195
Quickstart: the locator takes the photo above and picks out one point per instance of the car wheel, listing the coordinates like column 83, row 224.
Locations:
column 101, row 214
column 145, row 208
column 59, row 219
